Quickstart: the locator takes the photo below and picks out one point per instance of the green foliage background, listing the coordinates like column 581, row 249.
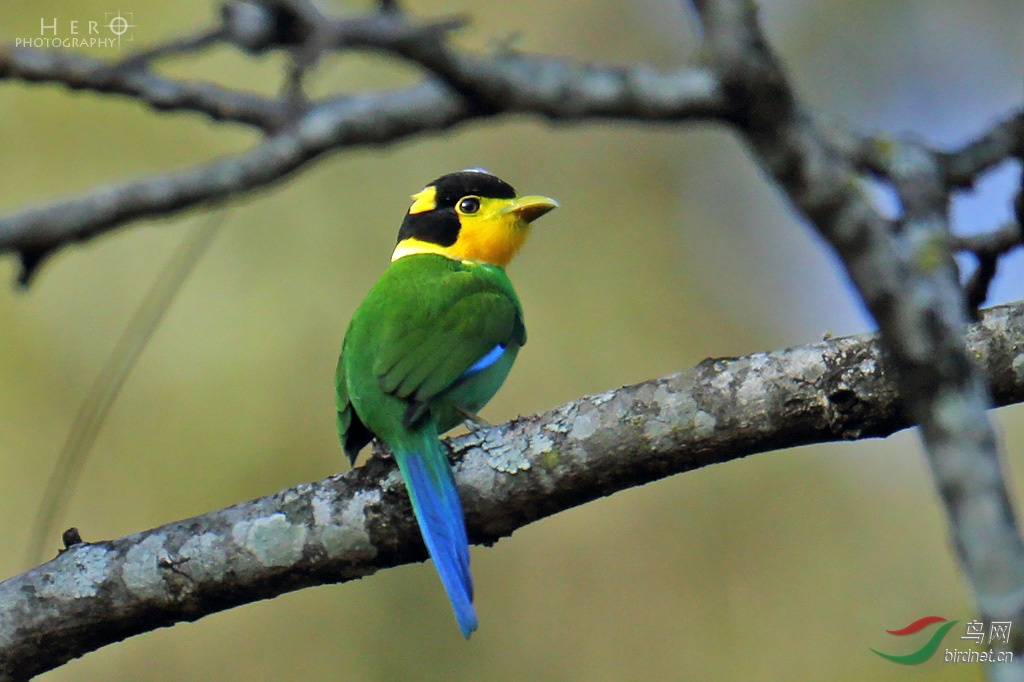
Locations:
column 669, row 248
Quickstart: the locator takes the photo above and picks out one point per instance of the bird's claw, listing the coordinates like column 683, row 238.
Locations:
column 474, row 422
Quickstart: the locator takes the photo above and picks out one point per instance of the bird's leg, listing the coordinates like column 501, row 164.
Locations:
column 473, row 420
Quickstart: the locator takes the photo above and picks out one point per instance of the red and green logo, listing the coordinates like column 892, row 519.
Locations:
column 926, row 651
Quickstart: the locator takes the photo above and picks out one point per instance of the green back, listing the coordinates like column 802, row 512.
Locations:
column 422, row 325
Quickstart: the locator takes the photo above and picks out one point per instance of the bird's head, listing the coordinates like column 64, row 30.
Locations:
column 469, row 215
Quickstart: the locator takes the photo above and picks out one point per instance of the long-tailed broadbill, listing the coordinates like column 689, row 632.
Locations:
column 431, row 343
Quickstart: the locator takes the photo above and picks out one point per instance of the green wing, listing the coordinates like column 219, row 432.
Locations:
column 426, row 361
column 455, row 321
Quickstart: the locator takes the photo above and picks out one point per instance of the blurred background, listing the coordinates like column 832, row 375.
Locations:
column 669, row 247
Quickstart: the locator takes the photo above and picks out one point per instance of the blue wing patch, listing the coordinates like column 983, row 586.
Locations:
column 486, row 361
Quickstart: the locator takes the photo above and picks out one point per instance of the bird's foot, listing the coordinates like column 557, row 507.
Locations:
column 379, row 450
column 474, row 421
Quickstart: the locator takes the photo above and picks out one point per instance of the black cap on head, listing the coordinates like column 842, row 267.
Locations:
column 454, row 186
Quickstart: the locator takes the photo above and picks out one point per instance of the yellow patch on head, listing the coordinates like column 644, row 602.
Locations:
column 424, row 200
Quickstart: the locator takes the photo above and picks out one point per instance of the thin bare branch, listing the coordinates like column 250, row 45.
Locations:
column 185, row 45
column 1002, row 141
column 987, row 247
column 368, row 119
column 160, row 92
column 540, row 85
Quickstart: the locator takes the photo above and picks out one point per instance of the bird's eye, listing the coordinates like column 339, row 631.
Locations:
column 469, row 205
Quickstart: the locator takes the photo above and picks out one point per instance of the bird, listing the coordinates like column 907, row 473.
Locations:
column 430, row 345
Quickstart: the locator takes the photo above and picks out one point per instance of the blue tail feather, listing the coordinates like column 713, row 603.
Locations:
column 431, row 485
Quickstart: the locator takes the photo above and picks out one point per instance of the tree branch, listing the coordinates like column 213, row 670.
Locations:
column 353, row 525
column 462, row 88
column 908, row 279
column 138, row 82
